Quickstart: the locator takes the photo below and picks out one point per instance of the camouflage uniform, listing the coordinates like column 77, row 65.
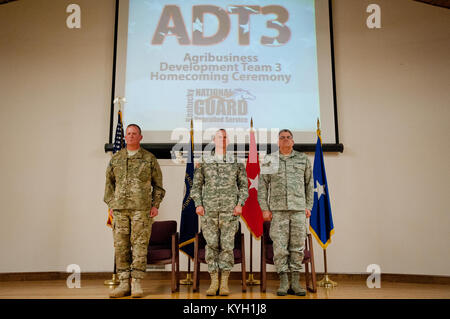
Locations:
column 133, row 187
column 288, row 183
column 219, row 185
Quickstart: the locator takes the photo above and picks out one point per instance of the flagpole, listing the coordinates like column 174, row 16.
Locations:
column 188, row 281
column 325, row 282
column 251, row 281
column 114, row 281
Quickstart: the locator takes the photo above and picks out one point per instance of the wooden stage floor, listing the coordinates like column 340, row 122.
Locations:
column 160, row 289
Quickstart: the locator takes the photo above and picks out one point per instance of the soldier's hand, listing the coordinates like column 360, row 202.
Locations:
column 200, row 211
column 267, row 215
column 237, row 210
column 154, row 212
column 308, row 213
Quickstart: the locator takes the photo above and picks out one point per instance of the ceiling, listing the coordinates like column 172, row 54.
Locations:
column 439, row 3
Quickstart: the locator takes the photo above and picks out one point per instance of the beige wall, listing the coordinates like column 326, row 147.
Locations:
column 388, row 188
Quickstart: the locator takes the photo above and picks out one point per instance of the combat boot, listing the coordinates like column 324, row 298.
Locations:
column 224, row 290
column 136, row 289
column 212, row 290
column 295, row 284
column 122, row 290
column 284, row 284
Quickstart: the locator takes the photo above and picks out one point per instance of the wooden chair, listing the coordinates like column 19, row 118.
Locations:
column 267, row 258
column 199, row 256
column 163, row 248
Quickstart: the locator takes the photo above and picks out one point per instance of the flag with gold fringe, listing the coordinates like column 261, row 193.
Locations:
column 189, row 219
column 321, row 220
column 251, row 212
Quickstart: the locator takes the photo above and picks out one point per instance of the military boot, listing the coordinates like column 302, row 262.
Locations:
column 136, row 289
column 122, row 290
column 295, row 285
column 224, row 290
column 284, row 284
column 212, row 290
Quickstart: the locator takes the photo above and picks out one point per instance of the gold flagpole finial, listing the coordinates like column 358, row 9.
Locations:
column 318, row 130
column 120, row 100
column 251, row 122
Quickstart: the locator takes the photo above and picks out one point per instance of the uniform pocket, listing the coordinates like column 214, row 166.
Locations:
column 145, row 171
column 231, row 173
column 121, row 224
column 210, row 172
column 119, row 168
column 299, row 167
column 299, row 171
column 141, row 227
column 276, row 202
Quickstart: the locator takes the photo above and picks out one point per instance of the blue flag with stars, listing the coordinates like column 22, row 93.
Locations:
column 321, row 221
column 189, row 219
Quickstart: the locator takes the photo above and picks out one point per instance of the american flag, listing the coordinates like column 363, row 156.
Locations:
column 119, row 143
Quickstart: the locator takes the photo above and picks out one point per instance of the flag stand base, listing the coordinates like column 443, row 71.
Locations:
column 327, row 282
column 113, row 282
column 251, row 281
column 187, row 281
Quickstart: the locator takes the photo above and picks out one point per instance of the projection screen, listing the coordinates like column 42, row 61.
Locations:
column 222, row 63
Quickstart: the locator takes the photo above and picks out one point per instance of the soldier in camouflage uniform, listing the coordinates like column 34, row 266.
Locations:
column 285, row 194
column 133, row 191
column 219, row 191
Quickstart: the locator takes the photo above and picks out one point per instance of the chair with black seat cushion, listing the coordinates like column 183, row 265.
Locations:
column 163, row 248
column 238, row 251
column 267, row 258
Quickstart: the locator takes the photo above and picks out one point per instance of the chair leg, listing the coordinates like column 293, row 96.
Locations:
column 198, row 276
column 307, row 274
column 243, row 266
column 261, row 271
column 196, row 264
column 244, row 279
column 174, row 274
column 313, row 268
column 177, row 263
column 313, row 277
column 263, row 266
column 264, row 277
column 195, row 286
column 174, row 243
column 178, row 271
column 243, row 282
column 174, row 283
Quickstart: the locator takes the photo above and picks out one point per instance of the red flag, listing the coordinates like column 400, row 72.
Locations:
column 251, row 212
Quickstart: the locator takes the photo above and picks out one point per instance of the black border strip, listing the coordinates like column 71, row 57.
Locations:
column 164, row 150
column 224, row 308
column 333, row 71
column 113, row 90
